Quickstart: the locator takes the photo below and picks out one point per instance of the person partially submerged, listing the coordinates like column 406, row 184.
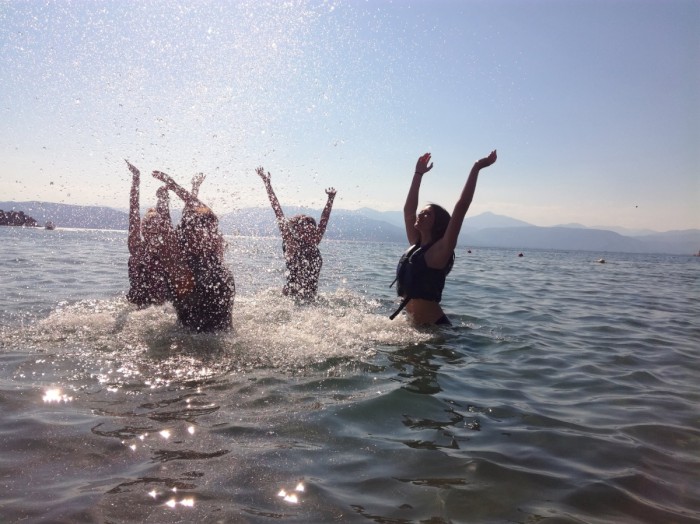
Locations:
column 202, row 286
column 300, row 240
column 148, row 276
column 433, row 234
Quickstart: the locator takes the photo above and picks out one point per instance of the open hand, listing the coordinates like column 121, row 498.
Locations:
column 423, row 165
column 163, row 177
column 261, row 173
column 132, row 168
column 487, row 161
column 198, row 179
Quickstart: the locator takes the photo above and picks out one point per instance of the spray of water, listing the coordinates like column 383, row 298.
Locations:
column 110, row 344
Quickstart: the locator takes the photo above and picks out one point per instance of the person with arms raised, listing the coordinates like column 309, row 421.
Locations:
column 433, row 235
column 203, row 288
column 300, row 240
column 148, row 276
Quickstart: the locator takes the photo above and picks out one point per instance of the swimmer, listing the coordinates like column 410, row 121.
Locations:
column 203, row 286
column 433, row 235
column 300, row 240
column 148, row 278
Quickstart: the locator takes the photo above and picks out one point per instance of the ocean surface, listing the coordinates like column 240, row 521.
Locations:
column 567, row 391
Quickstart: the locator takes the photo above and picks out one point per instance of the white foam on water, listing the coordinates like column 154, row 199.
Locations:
column 119, row 346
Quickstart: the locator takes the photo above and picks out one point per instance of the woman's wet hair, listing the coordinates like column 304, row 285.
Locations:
column 149, row 215
column 199, row 217
column 440, row 222
column 298, row 219
column 200, row 225
column 151, row 220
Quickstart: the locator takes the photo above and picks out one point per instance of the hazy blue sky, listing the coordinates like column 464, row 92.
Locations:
column 594, row 106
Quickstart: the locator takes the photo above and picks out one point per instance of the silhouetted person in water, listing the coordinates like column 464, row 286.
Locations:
column 300, row 240
column 433, row 237
column 202, row 287
column 148, row 276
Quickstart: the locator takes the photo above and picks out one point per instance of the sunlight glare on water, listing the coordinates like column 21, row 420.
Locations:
column 310, row 410
column 564, row 391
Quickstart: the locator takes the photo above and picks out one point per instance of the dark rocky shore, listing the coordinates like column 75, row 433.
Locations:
column 16, row 218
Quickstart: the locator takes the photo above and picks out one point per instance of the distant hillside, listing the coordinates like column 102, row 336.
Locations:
column 489, row 220
column 568, row 238
column 486, row 229
column 66, row 215
column 481, row 221
column 343, row 225
column 670, row 241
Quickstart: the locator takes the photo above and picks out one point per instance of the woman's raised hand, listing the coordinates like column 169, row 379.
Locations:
column 163, row 177
column 197, row 179
column 487, row 161
column 423, row 165
column 261, row 173
column 132, row 168
column 162, row 192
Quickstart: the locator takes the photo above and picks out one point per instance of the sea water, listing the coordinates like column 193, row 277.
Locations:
column 565, row 391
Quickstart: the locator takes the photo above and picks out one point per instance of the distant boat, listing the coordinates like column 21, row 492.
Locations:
column 50, row 225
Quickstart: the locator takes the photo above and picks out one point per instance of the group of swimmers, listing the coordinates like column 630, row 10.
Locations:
column 185, row 265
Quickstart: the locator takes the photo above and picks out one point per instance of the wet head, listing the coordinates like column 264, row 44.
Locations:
column 439, row 220
column 152, row 227
column 200, row 231
column 303, row 227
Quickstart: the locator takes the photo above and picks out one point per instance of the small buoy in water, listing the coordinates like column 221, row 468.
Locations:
column 601, row 261
column 469, row 250
column 520, row 255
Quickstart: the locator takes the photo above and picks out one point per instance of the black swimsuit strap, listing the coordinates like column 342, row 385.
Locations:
column 401, row 306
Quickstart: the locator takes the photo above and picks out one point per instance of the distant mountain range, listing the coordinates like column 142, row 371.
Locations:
column 66, row 215
column 484, row 230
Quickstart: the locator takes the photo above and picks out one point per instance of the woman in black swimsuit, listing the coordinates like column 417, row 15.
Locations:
column 433, row 236
column 300, row 240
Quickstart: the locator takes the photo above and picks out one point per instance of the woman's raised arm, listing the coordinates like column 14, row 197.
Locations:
column 411, row 206
column 134, row 240
column 276, row 207
column 187, row 197
column 323, row 223
column 447, row 244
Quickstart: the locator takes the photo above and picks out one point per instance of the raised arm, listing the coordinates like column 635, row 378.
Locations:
column 326, row 214
column 187, row 197
column 196, row 182
column 281, row 221
column 134, row 240
column 181, row 277
column 163, row 205
column 439, row 256
column 411, row 206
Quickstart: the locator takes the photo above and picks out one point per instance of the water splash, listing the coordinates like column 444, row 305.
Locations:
column 111, row 345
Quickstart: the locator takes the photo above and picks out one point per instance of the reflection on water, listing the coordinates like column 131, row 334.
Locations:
column 56, row 395
column 530, row 408
column 292, row 496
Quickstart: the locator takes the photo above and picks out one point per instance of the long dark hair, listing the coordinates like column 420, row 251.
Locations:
column 194, row 222
column 442, row 219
